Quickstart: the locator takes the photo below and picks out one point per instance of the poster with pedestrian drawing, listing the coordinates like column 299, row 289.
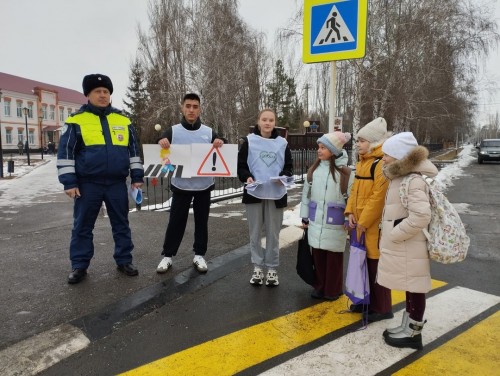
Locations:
column 160, row 163
column 190, row 160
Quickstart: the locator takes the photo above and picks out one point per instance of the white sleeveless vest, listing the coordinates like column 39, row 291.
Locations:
column 266, row 159
column 181, row 135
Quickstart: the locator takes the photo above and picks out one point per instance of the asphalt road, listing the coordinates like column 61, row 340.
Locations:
column 133, row 321
column 228, row 303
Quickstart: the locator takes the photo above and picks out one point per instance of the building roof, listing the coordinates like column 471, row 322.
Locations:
column 26, row 86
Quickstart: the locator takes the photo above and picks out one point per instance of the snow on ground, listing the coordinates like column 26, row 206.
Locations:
column 456, row 169
column 33, row 184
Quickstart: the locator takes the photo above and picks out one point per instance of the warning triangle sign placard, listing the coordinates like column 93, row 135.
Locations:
column 213, row 164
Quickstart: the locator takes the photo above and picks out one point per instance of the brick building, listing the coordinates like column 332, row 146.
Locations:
column 47, row 107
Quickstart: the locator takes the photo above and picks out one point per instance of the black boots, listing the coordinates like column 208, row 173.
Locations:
column 76, row 276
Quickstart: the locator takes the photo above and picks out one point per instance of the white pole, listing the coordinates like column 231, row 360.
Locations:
column 333, row 97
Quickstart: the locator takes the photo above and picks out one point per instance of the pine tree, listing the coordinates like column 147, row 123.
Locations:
column 137, row 103
column 282, row 97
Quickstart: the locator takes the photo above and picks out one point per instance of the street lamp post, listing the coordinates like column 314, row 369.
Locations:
column 306, row 125
column 26, row 110
column 1, row 150
column 40, row 118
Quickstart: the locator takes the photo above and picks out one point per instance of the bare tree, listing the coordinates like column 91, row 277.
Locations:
column 419, row 68
column 206, row 48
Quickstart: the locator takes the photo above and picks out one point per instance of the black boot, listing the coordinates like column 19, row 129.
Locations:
column 76, row 276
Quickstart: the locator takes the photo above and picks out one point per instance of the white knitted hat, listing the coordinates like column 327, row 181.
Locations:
column 334, row 141
column 399, row 145
column 374, row 131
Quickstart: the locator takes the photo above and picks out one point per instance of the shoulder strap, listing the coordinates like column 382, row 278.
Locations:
column 405, row 187
column 372, row 171
column 345, row 172
column 372, row 168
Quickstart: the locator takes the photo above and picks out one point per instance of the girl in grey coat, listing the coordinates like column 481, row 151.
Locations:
column 404, row 259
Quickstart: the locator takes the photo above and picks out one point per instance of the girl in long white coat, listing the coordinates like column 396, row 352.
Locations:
column 322, row 211
column 404, row 260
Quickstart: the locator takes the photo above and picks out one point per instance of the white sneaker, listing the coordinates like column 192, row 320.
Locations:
column 200, row 264
column 272, row 278
column 164, row 265
column 257, row 277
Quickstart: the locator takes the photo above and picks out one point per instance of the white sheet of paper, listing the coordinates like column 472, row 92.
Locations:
column 252, row 186
column 287, row 181
column 206, row 160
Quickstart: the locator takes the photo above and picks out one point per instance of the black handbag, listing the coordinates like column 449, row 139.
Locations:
column 305, row 263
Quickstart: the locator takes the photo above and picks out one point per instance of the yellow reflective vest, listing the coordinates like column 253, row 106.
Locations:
column 98, row 145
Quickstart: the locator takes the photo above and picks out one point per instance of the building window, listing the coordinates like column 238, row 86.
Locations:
column 69, row 112
column 32, row 137
column 8, row 136
column 20, row 135
column 52, row 113
column 61, row 113
column 6, row 107
column 44, row 111
column 19, row 109
column 30, row 110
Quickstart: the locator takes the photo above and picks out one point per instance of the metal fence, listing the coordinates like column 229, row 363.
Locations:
column 157, row 190
column 157, row 194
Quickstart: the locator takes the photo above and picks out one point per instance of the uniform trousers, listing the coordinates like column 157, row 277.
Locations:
column 179, row 212
column 264, row 214
column 85, row 212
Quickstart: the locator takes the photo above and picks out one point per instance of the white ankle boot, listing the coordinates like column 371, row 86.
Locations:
column 410, row 336
column 398, row 328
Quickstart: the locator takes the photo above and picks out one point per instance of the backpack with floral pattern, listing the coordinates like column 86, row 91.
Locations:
column 447, row 240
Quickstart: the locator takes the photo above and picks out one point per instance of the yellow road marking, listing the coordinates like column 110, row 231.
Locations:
column 245, row 348
column 474, row 352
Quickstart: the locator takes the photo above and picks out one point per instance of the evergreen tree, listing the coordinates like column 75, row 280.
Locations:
column 282, row 98
column 138, row 101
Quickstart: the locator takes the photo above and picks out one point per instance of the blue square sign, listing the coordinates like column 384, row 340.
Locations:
column 334, row 30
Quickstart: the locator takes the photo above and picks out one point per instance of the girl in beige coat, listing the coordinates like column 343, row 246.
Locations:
column 404, row 260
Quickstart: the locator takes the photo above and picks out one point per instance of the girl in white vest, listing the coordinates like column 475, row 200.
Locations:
column 263, row 155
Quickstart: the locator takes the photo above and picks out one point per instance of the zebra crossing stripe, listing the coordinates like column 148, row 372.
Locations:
column 365, row 352
column 33, row 355
column 248, row 347
column 474, row 352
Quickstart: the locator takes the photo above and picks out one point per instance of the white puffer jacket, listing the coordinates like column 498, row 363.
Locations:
column 322, row 192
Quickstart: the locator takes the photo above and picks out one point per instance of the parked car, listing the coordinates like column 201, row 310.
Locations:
column 488, row 150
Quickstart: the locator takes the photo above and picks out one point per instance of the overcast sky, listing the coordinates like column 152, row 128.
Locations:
column 60, row 41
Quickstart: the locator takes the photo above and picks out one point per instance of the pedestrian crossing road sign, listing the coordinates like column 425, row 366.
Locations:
column 334, row 30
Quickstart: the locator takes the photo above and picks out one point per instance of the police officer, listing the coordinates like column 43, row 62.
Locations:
column 98, row 149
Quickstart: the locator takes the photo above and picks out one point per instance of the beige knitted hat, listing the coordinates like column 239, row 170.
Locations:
column 374, row 131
